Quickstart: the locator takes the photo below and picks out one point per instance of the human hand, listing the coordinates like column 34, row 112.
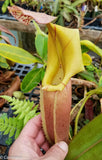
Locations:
column 27, row 146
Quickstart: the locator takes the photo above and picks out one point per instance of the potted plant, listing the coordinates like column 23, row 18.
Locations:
column 55, row 89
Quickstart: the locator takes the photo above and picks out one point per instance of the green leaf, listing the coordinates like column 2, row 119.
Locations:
column 95, row 70
column 5, row 5
column 72, row 9
column 56, row 7
column 17, row 133
column 42, row 74
column 90, row 68
column 100, row 82
column 11, row 3
column 3, row 116
column 9, row 141
column 3, row 63
column 87, row 144
column 77, row 2
column 31, row 114
column 7, row 130
column 66, row 15
column 92, row 46
column 98, row 91
column 88, row 76
column 84, row 49
column 12, row 131
column 25, row 111
column 17, row 54
column 60, row 20
column 41, row 42
column 66, row 2
column 31, row 80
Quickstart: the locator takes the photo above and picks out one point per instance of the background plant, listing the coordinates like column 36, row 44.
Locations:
column 36, row 74
column 36, row 5
column 92, row 73
column 66, row 10
column 69, row 12
column 3, row 61
column 23, row 112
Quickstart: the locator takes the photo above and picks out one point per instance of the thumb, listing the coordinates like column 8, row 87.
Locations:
column 57, row 151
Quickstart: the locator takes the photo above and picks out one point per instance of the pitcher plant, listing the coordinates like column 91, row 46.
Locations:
column 64, row 61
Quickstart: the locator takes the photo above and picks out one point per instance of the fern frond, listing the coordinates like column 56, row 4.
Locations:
column 23, row 109
column 31, row 114
column 17, row 104
column 11, row 126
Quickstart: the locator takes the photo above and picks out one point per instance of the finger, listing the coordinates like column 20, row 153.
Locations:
column 45, row 146
column 40, row 138
column 32, row 128
column 58, row 151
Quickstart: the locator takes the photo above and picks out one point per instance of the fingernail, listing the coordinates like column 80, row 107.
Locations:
column 63, row 146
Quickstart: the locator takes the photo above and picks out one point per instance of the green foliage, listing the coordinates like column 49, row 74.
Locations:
column 32, row 79
column 86, row 121
column 41, row 42
column 77, row 2
column 65, row 10
column 23, row 110
column 88, row 75
column 11, row 126
column 98, row 91
column 60, row 20
column 100, row 82
column 84, row 49
column 20, row 55
column 8, row 141
column 87, row 144
column 90, row 68
column 3, row 116
column 17, row 54
column 56, row 7
column 3, row 63
column 35, row 76
column 91, row 46
column 94, row 69
column 35, row 4
column 5, row 5
column 92, row 72
column 18, row 94
column 41, row 45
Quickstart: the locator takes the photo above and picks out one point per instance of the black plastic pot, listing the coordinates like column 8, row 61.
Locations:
column 96, row 25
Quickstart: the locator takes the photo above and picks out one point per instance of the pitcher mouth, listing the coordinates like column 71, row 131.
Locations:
column 64, row 57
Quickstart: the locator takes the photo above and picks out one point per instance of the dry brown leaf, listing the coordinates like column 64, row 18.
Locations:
column 6, row 39
column 3, row 29
column 15, row 86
